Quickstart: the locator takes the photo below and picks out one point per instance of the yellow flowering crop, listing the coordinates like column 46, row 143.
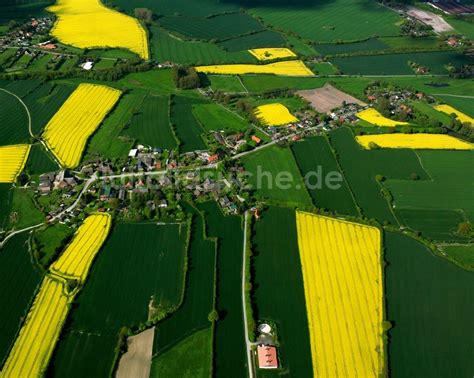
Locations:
column 342, row 274
column 80, row 115
column 89, row 24
column 415, row 141
column 274, row 115
column 459, row 115
column 272, row 53
column 287, row 68
column 375, row 118
column 78, row 256
column 12, row 161
column 35, row 343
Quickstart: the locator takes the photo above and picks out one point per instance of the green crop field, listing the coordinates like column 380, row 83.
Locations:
column 106, row 141
column 429, row 302
column 188, row 355
column 346, row 20
column 229, row 339
column 18, row 282
column 166, row 47
column 104, row 64
column 316, row 160
column 372, row 44
column 226, row 83
column 462, row 26
column 262, row 39
column 186, row 127
column 269, row 162
column 139, row 264
column 361, row 166
column 83, row 354
column 462, row 254
column 279, row 292
column 22, row 87
column 404, row 42
column 44, row 102
column 213, row 117
column 39, row 161
column 151, row 126
column 217, row 27
column 22, row 10
column 451, row 187
column 193, row 8
column 198, row 300
column 14, row 121
column 397, row 64
column 155, row 81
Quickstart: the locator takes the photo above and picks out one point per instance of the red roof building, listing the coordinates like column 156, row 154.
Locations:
column 256, row 139
column 213, row 158
column 267, row 357
column 49, row 46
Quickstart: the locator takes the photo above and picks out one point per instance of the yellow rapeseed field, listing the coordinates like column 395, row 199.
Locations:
column 78, row 256
column 274, row 115
column 459, row 115
column 80, row 115
column 272, row 53
column 287, row 68
column 375, row 118
column 12, row 161
column 415, row 141
column 89, row 24
column 35, row 343
column 342, row 274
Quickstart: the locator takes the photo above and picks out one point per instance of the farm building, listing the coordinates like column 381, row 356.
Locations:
column 267, row 357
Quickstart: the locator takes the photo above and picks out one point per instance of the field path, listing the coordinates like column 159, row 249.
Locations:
column 248, row 344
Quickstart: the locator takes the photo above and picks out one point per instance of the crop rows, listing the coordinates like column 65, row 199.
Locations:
column 35, row 343
column 287, row 68
column 274, row 115
column 88, row 23
column 372, row 116
column 416, row 141
column 344, row 295
column 67, row 132
column 12, row 160
column 78, row 256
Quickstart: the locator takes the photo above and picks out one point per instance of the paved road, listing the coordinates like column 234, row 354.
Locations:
column 248, row 343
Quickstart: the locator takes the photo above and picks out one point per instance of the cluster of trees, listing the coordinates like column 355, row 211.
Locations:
column 186, row 77
column 111, row 74
column 415, row 29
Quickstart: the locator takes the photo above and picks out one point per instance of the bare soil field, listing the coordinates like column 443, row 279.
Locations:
column 437, row 22
column 327, row 98
column 136, row 362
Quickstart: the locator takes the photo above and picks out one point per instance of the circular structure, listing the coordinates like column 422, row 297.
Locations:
column 264, row 328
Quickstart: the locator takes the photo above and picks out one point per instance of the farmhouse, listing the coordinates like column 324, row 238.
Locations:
column 267, row 357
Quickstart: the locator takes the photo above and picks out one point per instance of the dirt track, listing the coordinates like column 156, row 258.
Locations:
column 136, row 362
column 327, row 98
column 438, row 23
